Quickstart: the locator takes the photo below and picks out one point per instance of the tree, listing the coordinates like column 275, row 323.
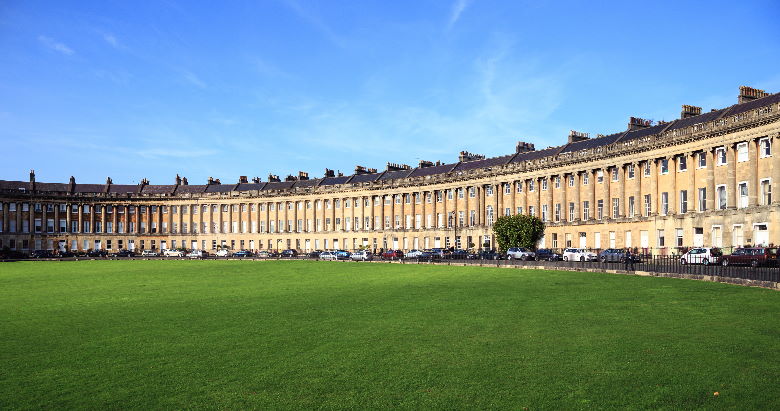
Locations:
column 518, row 231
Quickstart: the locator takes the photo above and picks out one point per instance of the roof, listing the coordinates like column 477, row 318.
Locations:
column 249, row 186
column 14, row 185
column 364, row 178
column 751, row 105
column 308, row 183
column 280, row 185
column 123, row 188
column 329, row 181
column 389, row 175
column 158, row 189
column 533, row 155
column 190, row 189
column 90, row 188
column 433, row 170
column 52, row 187
column 592, row 142
column 487, row 162
column 220, row 188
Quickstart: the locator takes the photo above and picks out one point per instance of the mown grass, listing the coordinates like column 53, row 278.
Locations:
column 271, row 335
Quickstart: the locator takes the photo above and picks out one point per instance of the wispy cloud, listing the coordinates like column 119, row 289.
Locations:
column 316, row 22
column 55, row 45
column 458, row 7
column 111, row 40
column 193, row 79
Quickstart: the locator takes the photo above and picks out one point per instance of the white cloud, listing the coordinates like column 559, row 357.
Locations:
column 55, row 45
column 194, row 79
column 316, row 22
column 111, row 39
column 458, row 7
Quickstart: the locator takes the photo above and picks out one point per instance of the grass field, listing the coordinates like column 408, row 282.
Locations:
column 242, row 334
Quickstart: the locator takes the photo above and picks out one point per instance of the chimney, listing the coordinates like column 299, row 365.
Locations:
column 360, row 170
column 689, row 111
column 466, row 156
column 256, row 180
column 749, row 94
column 216, row 181
column 242, row 180
column 72, row 183
column 340, row 174
column 210, row 181
column 144, row 182
column 108, row 184
column 184, row 181
column 178, row 180
column 636, row 123
column 397, row 167
column 290, row 177
column 302, row 175
column 523, row 147
column 575, row 136
column 32, row 177
column 329, row 173
column 273, row 178
column 424, row 163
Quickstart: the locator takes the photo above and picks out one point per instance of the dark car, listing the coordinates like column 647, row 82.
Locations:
column 41, row 254
column 243, row 253
column 342, row 254
column 66, row 254
column 488, row 255
column 393, row 255
column 440, row 252
column 545, row 254
column 124, row 253
column 615, row 255
column 459, row 254
column 7, row 254
column 289, row 253
column 315, row 254
column 752, row 256
column 97, row 253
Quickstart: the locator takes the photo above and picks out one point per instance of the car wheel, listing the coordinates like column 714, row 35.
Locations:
column 683, row 261
column 705, row 261
column 582, row 258
column 604, row 260
column 509, row 257
column 754, row 263
column 565, row 258
column 724, row 262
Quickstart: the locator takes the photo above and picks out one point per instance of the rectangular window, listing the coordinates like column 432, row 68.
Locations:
column 585, row 179
column 585, row 210
column 507, row 190
column 647, row 168
column 615, row 175
column 647, row 204
column 600, row 176
column 472, row 193
column 557, row 212
column 544, row 184
column 531, row 211
column 702, row 159
column 571, row 211
column 682, row 163
column 544, row 212
column 531, row 185
column 720, row 155
column 630, row 169
column 571, row 181
column 702, row 199
column 557, row 181
column 664, row 166
column 765, row 147
column 600, row 209
column 664, row 203
column 519, row 186
column 742, row 194
column 766, row 192
column 679, row 236
column 631, row 206
column 721, row 196
column 683, row 201
column 742, row 152
column 615, row 207
column 661, row 238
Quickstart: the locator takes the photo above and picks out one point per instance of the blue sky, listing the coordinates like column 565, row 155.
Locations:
column 135, row 90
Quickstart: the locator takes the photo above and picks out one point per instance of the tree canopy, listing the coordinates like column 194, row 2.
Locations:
column 518, row 231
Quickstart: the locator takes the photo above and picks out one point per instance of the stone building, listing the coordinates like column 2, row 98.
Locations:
column 703, row 179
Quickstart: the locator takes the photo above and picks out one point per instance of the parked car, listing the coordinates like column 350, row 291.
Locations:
column 440, row 252
column 752, row 256
column 361, row 255
column 65, row 254
column 616, row 255
column 315, row 254
column 289, row 253
column 7, row 254
column 149, row 253
column 701, row 255
column 578, row 254
column 459, row 254
column 172, row 253
column 124, row 253
column 488, row 255
column 197, row 254
column 328, row 255
column 41, row 254
column 342, row 254
column 545, row 254
column 243, row 253
column 413, row 254
column 222, row 252
column 393, row 255
column 520, row 253
column 263, row 254
column 97, row 253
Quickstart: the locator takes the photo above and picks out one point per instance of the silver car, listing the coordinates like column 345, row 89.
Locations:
column 520, row 253
column 361, row 255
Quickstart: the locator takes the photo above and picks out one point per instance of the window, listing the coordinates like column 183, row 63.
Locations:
column 702, row 199
column 720, row 155
column 661, row 238
column 600, row 209
column 488, row 213
column 647, row 204
column 531, row 185
column 472, row 193
column 615, row 174
column 585, row 179
column 544, row 212
column 585, row 210
column 742, row 190
column 440, row 197
column 630, row 169
column 682, row 163
column 557, row 212
column 647, row 168
column 664, row 166
column 721, row 196
column 664, row 203
column 544, row 184
column 631, row 206
column 557, row 182
column 507, row 190
column 765, row 147
column 679, row 236
column 766, row 192
column 615, row 207
column 571, row 180
column 519, row 186
column 742, row 152
column 600, row 176
column 683, row 201
column 571, row 211
column 702, row 159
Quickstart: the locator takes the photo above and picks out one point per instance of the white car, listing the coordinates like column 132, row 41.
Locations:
column 520, row 253
column 701, row 255
column 361, row 255
column 172, row 253
column 579, row 254
column 223, row 252
column 149, row 253
column 328, row 255
column 197, row 254
column 413, row 254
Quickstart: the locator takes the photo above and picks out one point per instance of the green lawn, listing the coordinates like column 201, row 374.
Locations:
column 243, row 334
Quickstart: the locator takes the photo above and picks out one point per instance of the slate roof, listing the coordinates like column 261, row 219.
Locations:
column 364, row 178
column 533, row 155
column 191, row 189
column 329, row 181
column 14, row 185
column 488, row 162
column 123, row 188
column 592, row 142
column 220, row 188
column 89, row 188
column 390, row 175
column 433, row 170
column 52, row 187
column 751, row 105
column 158, row 189
column 282, row 185
column 249, row 186
column 308, row 183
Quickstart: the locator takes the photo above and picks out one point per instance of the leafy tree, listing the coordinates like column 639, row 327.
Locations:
column 518, row 231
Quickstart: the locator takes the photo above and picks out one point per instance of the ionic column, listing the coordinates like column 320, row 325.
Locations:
column 731, row 177
column 753, row 149
column 693, row 195
column 576, row 196
column 673, row 197
column 775, row 168
column 564, row 198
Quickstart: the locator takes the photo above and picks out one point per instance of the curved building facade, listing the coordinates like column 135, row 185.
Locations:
column 703, row 179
